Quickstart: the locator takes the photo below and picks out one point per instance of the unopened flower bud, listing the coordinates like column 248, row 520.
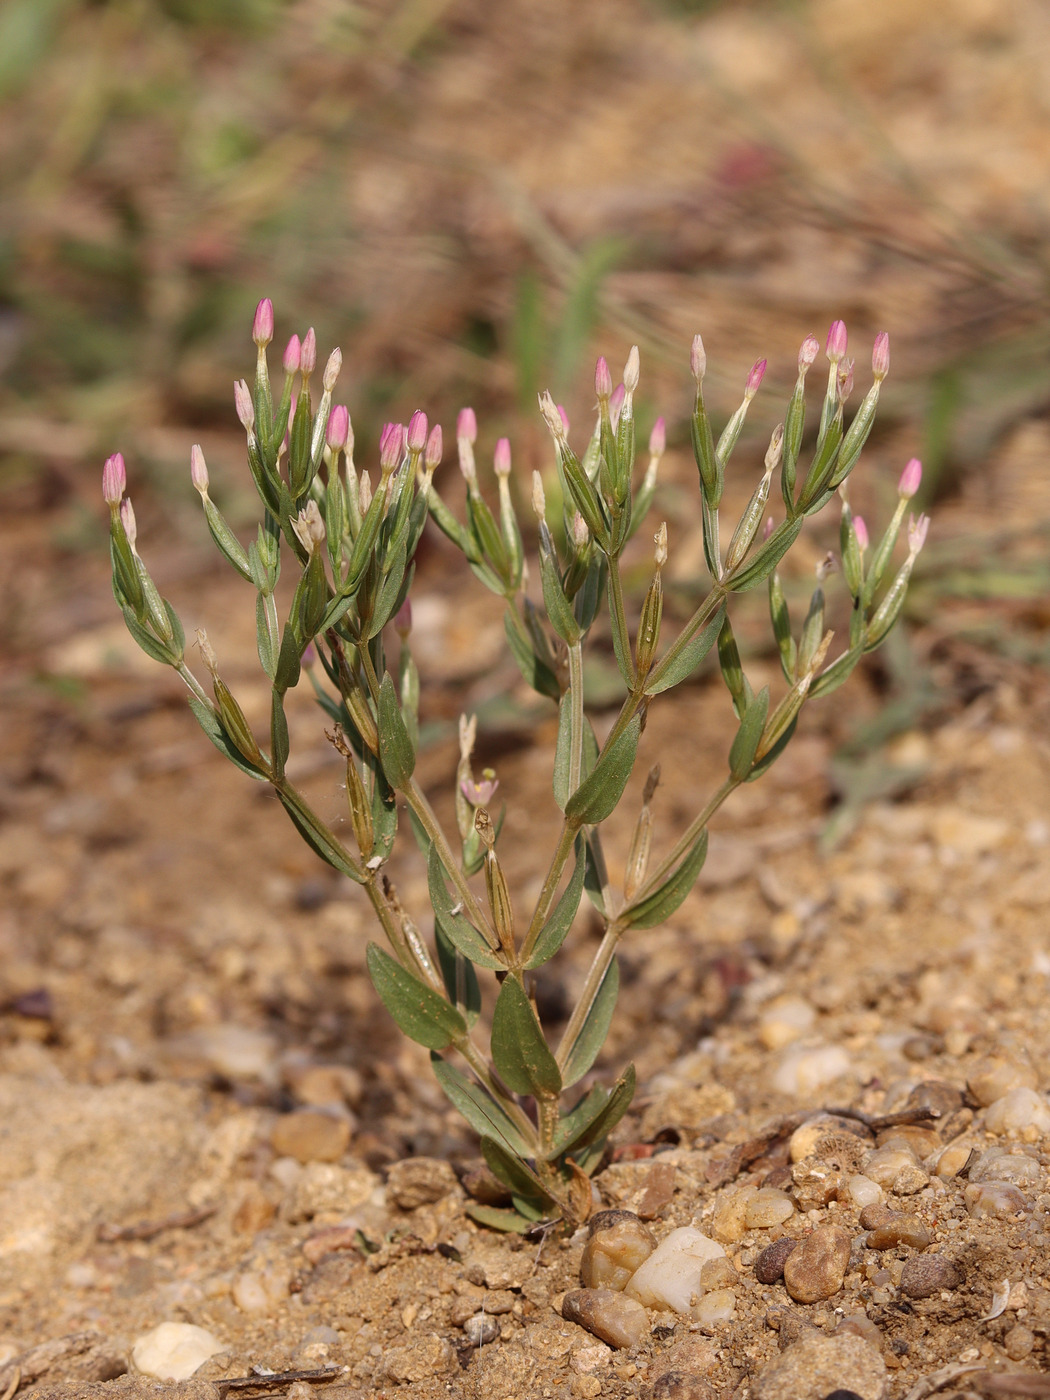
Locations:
column 290, row 358
column 754, row 379
column 467, row 425
column 845, row 379
column 658, row 438
column 826, row 567
column 391, row 445
column 114, row 479
column 338, row 427
column 775, row 450
column 602, row 378
column 880, row 357
column 501, row 458
column 552, row 417
column 861, row 532
column 309, row 656
column 468, row 733
column 403, row 620
column 564, row 418
column 660, row 540
column 917, row 530
column 242, row 402
column 581, row 536
column 768, row 527
column 331, row 370
column 127, row 519
column 262, row 326
column 698, row 360
column 616, row 401
column 539, row 500
column 308, row 354
column 432, row 457
column 364, row 492
column 835, row 347
column 911, row 479
column 309, row 527
column 631, row 370
column 808, row 352
column 198, row 470
column 207, row 651
column 416, row 436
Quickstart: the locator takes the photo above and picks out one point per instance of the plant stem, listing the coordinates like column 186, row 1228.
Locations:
column 194, row 685
column 427, row 818
column 703, row 615
column 575, row 715
column 619, row 617
column 476, row 1060
column 565, row 844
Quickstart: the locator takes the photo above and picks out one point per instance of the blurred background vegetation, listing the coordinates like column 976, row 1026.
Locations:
column 472, row 197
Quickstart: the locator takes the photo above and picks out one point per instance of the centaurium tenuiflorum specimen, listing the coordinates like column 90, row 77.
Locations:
column 352, row 546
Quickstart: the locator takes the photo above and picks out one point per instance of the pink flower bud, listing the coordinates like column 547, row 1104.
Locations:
column 836, row 343
column 114, row 479
column 911, row 479
column 308, row 353
column 698, row 359
column 631, row 370
column 917, row 533
column 754, row 379
column 262, row 326
column 808, row 352
column 501, row 460
column 467, row 425
column 417, row 431
column 403, row 619
column 338, row 427
column 602, row 378
column 127, row 518
column 242, row 402
column 880, row 357
column 309, row 655
column 768, row 527
column 435, row 447
column 331, row 370
column 861, row 532
column 564, row 418
column 616, row 399
column 658, row 438
column 391, row 445
column 290, row 359
column 198, row 469
column 845, row 379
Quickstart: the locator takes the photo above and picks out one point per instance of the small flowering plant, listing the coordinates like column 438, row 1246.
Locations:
column 351, row 545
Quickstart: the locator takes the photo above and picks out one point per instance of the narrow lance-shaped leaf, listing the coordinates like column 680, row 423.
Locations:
column 584, row 1051
column 679, row 662
column 601, row 790
column 512, row 1170
column 459, row 930
column 479, row 1108
column 395, row 746
column 519, row 1051
column 553, row 933
column 423, row 1015
column 748, row 736
column 655, row 908
column 617, row 1104
column 318, row 837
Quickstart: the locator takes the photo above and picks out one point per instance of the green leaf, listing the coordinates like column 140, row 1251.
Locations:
column 317, row 838
column 559, row 610
column 497, row 1218
column 671, row 672
column 395, row 746
column 479, row 1108
column 595, row 1027
column 419, row 1011
column 762, row 564
column 616, row 1106
column 460, row 932
column 586, row 499
column 163, row 652
column 664, row 900
column 592, row 880
column 279, row 741
column 602, row 789
column 774, row 753
column 576, row 1122
column 589, row 757
column 384, row 809
column 748, row 736
column 512, row 1170
column 386, row 602
column 535, row 670
column 287, row 673
column 458, row 975
column 553, row 933
column 519, row 1051
column 210, row 723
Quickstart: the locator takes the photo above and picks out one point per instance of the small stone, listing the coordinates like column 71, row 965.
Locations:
column 715, row 1308
column 609, row 1315
column 1021, row 1111
column 729, row 1220
column 677, row 1385
column 260, row 1293
column 670, row 1277
column 815, row 1269
column 691, row 1357
column 769, row 1266
column 309, row 1135
column 481, row 1329
column 816, row 1366
column 718, row 1273
column 885, row 1163
column 767, row 1208
column 920, row 1047
column 995, row 1200
column 815, row 1183
column 174, row 1350
column 618, row 1244
column 589, row 1358
column 420, row 1181
column 918, row 1140
column 998, row 1074
column 952, row 1160
column 924, row 1275
column 998, row 1165
column 910, row 1180
column 418, row 1360
column 330, row 1240
column 323, row 1188
column 318, row 1086
column 784, row 1020
column 871, row 1217
column 860, row 1325
column 862, row 1191
column 900, row 1229
column 586, row 1387
column 803, row 1071
column 942, row 1097
column 1019, row 1342
column 254, row 1211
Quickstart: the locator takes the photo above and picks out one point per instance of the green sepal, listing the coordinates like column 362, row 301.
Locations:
column 601, row 790
column 749, row 736
column 395, row 746
column 837, row 673
column 670, row 673
column 767, row 760
column 554, row 932
column 512, row 1170
column 319, row 840
column 588, row 598
column 420, row 1012
column 704, row 451
column 364, row 545
column 532, row 667
column 855, row 437
column 669, row 896
column 487, row 538
column 794, row 426
column 458, row 975
column 731, row 668
column 520, row 1053
column 209, row 721
column 478, row 1107
column 460, row 932
column 762, row 563
column 812, row 631
column 595, row 1027
column 299, row 447
column 819, row 474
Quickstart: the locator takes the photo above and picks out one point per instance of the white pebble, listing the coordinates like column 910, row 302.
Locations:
column 884, row 1164
column 784, row 1020
column 714, row 1308
column 864, row 1192
column 803, row 1071
column 768, row 1207
column 1020, row 1111
column 174, row 1350
column 670, row 1277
